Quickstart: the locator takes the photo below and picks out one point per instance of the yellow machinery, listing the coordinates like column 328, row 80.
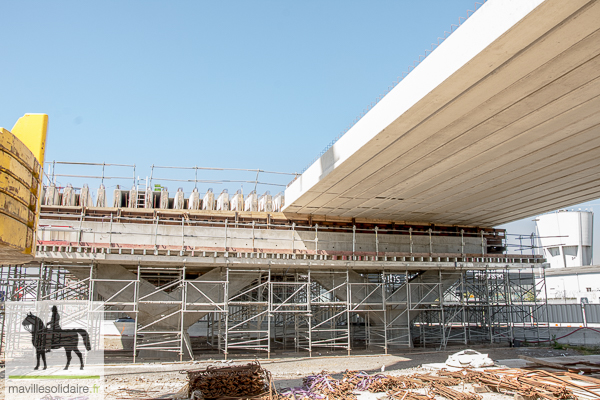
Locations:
column 21, row 162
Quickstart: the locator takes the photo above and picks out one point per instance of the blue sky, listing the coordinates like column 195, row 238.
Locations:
column 238, row 84
column 245, row 84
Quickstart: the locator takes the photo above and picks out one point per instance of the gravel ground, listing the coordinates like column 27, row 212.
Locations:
column 162, row 380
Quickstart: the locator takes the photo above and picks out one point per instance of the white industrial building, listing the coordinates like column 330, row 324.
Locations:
column 575, row 284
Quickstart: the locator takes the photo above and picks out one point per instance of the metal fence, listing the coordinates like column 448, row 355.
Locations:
column 569, row 314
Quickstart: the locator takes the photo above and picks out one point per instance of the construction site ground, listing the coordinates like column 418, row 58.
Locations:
column 163, row 380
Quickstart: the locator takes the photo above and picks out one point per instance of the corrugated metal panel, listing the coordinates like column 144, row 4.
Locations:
column 566, row 313
column 522, row 315
column 560, row 314
column 540, row 314
column 592, row 313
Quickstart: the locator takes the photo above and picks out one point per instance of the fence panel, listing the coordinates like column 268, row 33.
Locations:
column 561, row 314
column 592, row 313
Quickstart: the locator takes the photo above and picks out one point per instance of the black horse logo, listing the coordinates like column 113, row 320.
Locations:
column 53, row 337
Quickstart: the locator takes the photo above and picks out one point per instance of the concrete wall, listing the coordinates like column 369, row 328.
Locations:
column 248, row 238
column 589, row 337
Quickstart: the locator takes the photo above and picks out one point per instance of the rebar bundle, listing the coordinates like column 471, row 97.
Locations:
column 442, row 390
column 528, row 384
column 234, row 382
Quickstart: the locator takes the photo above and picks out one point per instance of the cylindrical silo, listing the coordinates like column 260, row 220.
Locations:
column 566, row 237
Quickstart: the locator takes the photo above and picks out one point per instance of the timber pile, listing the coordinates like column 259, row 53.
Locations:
column 249, row 381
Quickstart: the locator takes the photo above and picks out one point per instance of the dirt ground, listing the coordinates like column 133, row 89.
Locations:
column 162, row 380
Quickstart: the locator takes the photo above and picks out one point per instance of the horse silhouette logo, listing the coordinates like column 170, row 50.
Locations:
column 47, row 337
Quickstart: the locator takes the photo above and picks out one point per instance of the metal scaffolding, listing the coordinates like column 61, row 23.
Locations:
column 264, row 310
column 35, row 283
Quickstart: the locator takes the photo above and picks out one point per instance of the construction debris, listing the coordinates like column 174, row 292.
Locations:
column 249, row 381
column 408, row 395
column 452, row 394
column 590, row 367
column 440, row 380
column 529, row 385
column 324, row 386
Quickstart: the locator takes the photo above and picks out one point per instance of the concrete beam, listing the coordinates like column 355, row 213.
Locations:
column 210, row 262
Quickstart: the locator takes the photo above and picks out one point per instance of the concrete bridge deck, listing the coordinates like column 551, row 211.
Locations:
column 211, row 239
column 500, row 122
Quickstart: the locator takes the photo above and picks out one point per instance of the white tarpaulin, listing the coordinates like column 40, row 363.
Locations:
column 469, row 358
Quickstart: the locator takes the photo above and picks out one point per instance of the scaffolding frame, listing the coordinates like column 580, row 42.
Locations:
column 303, row 309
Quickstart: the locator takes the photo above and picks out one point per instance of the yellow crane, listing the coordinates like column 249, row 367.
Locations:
column 21, row 170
